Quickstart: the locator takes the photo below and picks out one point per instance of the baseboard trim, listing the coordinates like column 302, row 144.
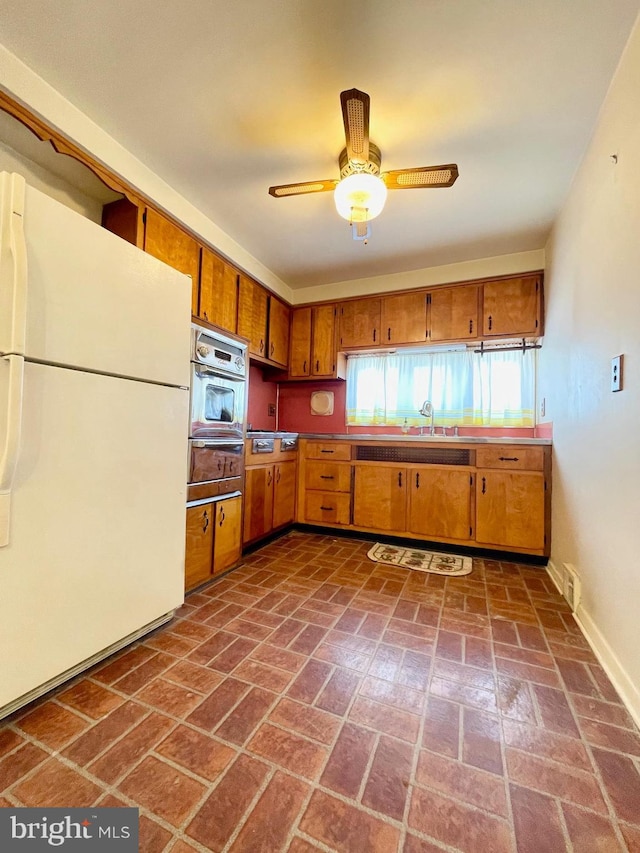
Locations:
column 629, row 693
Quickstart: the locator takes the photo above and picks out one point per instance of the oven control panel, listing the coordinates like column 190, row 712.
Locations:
column 223, row 354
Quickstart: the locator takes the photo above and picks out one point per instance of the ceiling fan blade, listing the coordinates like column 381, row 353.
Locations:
column 421, row 177
column 355, row 115
column 303, row 188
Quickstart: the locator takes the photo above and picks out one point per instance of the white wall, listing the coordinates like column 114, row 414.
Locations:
column 43, row 180
column 36, row 94
column 447, row 274
column 592, row 288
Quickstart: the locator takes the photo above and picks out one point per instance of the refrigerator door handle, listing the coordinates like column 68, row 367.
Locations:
column 12, row 407
column 13, row 244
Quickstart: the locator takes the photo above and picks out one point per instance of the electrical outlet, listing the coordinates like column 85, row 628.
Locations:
column 271, row 410
column 616, row 373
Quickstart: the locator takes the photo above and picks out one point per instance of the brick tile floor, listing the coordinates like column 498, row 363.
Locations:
column 314, row 700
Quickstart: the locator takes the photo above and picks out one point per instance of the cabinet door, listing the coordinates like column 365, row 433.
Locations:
column 323, row 353
column 510, row 508
column 360, row 323
column 175, row 247
column 512, row 307
column 440, row 503
column 252, row 314
column 198, row 563
column 379, row 498
column 258, row 502
column 278, row 331
column 453, row 313
column 218, row 291
column 300, row 346
column 404, row 318
column 284, row 493
column 227, row 540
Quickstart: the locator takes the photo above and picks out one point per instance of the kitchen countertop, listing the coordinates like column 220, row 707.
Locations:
column 270, row 433
column 431, row 439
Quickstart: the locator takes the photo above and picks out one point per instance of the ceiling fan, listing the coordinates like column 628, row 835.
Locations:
column 361, row 191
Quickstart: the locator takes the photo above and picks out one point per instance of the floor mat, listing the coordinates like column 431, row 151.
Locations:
column 421, row 561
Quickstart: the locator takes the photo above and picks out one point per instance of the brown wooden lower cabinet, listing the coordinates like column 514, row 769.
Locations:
column 440, row 502
column 214, row 542
column 431, row 502
column 500, row 498
column 510, row 509
column 380, row 497
column 327, row 507
column 270, row 496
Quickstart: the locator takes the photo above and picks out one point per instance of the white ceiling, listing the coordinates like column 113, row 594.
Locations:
column 223, row 98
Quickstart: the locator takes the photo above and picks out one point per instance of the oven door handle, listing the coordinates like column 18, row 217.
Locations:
column 219, row 444
column 203, row 370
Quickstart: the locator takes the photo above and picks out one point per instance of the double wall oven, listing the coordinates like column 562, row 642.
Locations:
column 218, row 414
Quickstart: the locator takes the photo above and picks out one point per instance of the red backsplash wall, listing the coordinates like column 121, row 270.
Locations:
column 295, row 415
column 294, row 411
column 261, row 394
column 295, row 407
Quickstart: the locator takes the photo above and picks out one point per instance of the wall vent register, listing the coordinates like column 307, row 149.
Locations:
column 424, row 455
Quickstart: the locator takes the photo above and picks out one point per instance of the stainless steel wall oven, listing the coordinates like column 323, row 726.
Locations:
column 218, row 414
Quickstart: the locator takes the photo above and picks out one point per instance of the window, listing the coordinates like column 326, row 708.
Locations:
column 468, row 389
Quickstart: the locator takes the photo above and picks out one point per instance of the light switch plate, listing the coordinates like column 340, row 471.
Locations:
column 616, row 373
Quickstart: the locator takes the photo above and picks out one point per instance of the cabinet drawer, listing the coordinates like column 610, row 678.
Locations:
column 328, row 450
column 328, row 476
column 328, row 507
column 510, row 456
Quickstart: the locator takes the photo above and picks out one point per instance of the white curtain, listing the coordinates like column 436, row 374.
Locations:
column 465, row 388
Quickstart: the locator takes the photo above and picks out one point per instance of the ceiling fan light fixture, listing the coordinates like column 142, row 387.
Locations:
column 361, row 192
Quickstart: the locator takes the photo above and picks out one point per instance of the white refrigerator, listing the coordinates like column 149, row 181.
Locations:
column 94, row 375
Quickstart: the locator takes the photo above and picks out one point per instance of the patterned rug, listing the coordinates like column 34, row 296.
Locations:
column 421, row 561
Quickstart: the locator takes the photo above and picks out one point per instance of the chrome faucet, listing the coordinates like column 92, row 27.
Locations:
column 427, row 411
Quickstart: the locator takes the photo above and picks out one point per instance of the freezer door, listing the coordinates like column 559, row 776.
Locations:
column 97, row 528
column 78, row 295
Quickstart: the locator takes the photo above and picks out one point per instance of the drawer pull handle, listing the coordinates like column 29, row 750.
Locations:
column 205, row 518
column 269, row 478
column 400, row 479
column 330, row 508
column 417, row 481
column 470, row 327
column 508, row 458
column 327, row 451
column 327, row 477
column 484, row 485
column 221, row 516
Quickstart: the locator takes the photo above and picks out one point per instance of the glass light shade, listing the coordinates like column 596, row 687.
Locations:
column 360, row 197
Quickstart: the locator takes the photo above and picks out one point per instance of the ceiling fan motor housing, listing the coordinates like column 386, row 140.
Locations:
column 372, row 166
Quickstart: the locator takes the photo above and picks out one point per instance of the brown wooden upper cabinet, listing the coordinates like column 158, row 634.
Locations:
column 264, row 319
column 404, row 318
column 175, row 247
column 453, row 313
column 360, row 323
column 218, row 291
column 313, row 343
column 512, row 307
column 278, row 331
column 252, row 314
